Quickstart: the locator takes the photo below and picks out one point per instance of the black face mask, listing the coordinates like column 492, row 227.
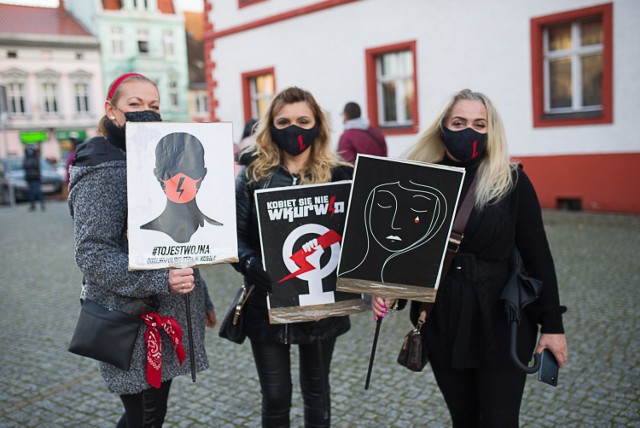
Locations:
column 293, row 139
column 467, row 146
column 117, row 133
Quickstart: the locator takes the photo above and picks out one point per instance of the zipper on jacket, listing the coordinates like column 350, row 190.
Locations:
column 295, row 179
column 286, row 334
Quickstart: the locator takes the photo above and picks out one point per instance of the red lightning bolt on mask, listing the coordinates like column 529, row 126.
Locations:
column 181, row 188
column 300, row 256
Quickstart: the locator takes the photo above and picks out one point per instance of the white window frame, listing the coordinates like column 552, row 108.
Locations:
column 168, row 43
column 16, row 90
column 143, row 37
column 50, row 97
column 117, row 41
column 401, row 114
column 575, row 54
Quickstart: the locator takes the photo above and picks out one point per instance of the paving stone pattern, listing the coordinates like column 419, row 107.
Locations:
column 43, row 385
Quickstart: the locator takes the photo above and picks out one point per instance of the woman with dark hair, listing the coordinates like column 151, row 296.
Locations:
column 467, row 333
column 98, row 205
column 292, row 147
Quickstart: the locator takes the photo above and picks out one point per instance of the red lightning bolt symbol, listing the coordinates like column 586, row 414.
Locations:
column 331, row 207
column 300, row 142
column 300, row 256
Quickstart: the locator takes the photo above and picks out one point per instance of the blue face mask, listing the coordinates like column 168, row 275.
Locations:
column 293, row 139
column 467, row 146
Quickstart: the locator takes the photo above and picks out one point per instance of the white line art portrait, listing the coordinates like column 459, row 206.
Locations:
column 398, row 217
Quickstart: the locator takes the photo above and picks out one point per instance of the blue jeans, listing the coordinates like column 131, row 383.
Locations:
column 35, row 192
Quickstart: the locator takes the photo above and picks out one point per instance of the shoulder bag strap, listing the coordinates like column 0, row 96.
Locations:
column 457, row 234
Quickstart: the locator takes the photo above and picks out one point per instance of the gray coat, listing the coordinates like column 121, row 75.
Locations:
column 98, row 205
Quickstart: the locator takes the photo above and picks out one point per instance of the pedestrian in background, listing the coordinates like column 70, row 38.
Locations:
column 292, row 147
column 467, row 332
column 33, row 176
column 359, row 136
column 248, row 139
column 98, row 205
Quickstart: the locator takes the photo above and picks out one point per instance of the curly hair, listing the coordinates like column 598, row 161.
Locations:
column 268, row 156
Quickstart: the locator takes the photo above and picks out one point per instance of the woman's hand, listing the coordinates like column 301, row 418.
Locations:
column 181, row 281
column 380, row 306
column 557, row 344
column 210, row 319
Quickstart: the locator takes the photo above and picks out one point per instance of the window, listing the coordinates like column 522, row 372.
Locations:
column 202, row 103
column 81, row 91
column 173, row 95
column 572, row 67
column 49, row 98
column 16, row 99
column 12, row 54
column 143, row 41
column 117, row 41
column 258, row 87
column 391, row 88
column 79, row 55
column 168, row 44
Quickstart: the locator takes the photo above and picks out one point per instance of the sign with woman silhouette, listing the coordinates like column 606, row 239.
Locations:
column 301, row 237
column 181, row 194
column 398, row 224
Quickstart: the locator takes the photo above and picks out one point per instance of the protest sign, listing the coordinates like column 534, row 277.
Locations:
column 398, row 223
column 300, row 233
column 181, row 194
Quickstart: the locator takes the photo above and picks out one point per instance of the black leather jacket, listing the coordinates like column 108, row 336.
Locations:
column 256, row 322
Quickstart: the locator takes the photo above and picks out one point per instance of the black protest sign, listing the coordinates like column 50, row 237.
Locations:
column 301, row 238
column 398, row 224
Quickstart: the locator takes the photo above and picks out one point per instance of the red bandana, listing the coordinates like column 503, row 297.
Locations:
column 154, row 344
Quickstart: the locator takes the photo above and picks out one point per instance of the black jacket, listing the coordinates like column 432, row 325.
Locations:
column 31, row 166
column 468, row 327
column 256, row 322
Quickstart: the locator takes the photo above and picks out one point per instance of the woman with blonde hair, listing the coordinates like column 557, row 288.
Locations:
column 292, row 147
column 467, row 332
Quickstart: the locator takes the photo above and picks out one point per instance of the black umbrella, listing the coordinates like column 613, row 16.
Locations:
column 520, row 291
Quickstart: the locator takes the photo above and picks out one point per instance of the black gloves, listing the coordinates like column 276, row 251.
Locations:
column 255, row 275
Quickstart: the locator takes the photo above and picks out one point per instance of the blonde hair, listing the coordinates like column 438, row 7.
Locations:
column 495, row 177
column 268, row 156
column 102, row 124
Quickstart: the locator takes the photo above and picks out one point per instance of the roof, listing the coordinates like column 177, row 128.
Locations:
column 38, row 20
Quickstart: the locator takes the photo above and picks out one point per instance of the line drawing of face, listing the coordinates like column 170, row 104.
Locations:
column 400, row 218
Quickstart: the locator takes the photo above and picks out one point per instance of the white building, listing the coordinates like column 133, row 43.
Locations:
column 50, row 68
column 565, row 76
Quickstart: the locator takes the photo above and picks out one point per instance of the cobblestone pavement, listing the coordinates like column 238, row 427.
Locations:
column 43, row 385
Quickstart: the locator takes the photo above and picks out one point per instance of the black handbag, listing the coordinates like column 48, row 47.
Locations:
column 232, row 326
column 106, row 335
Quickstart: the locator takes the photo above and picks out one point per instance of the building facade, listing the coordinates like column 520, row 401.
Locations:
column 562, row 74
column 144, row 36
column 50, row 71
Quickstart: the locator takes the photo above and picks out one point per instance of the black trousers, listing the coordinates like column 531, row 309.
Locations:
column 146, row 409
column 482, row 398
column 273, row 363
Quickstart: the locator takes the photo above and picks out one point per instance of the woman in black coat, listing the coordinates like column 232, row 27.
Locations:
column 467, row 332
column 292, row 147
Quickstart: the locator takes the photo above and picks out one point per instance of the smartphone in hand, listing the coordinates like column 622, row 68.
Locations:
column 549, row 369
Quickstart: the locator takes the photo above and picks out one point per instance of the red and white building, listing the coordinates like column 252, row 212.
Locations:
column 565, row 76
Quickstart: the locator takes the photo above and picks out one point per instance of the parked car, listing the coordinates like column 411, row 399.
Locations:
column 12, row 174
